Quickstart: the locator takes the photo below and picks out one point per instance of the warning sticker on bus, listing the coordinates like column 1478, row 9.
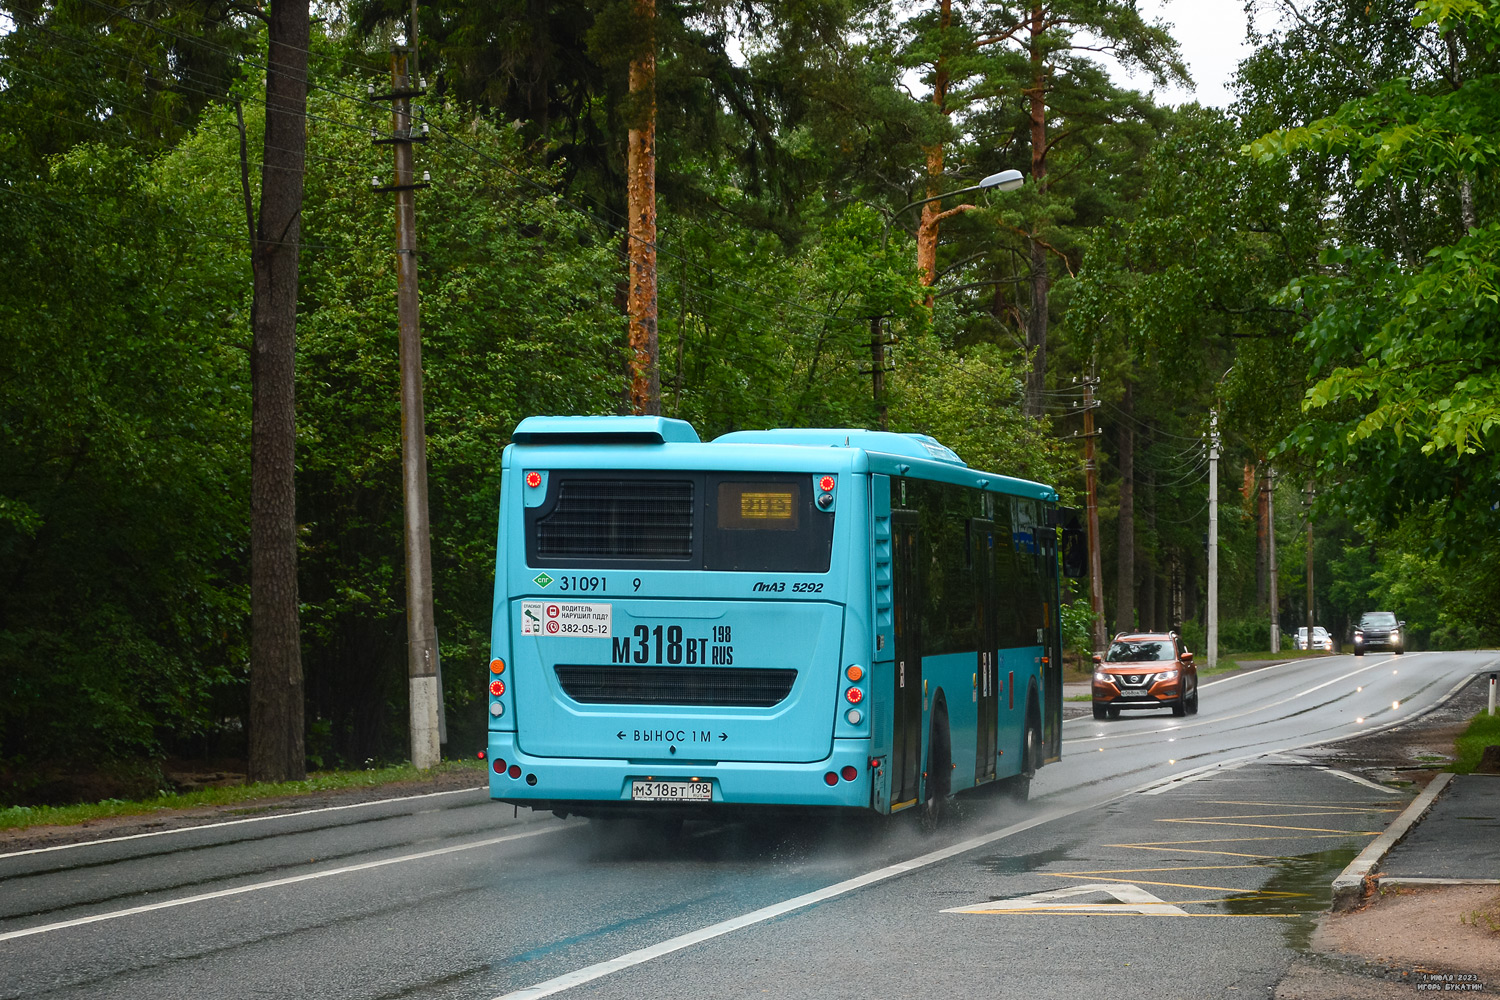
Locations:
column 542, row 618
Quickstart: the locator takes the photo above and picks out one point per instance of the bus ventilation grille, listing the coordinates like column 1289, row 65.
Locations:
column 753, row 687
column 619, row 519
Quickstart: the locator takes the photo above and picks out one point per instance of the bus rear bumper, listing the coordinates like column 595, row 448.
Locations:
column 576, row 784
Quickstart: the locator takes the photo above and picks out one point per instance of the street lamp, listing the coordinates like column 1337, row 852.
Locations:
column 1005, row 180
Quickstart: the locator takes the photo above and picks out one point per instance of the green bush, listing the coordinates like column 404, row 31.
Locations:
column 1077, row 623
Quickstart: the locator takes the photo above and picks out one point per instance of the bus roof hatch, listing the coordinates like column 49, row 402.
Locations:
column 603, row 431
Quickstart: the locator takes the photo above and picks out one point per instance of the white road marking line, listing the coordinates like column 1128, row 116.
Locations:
column 597, row 971
column 256, row 887
column 1360, row 781
column 1129, row 898
column 236, row 822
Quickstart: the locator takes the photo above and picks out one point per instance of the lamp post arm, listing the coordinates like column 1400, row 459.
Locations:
column 886, row 235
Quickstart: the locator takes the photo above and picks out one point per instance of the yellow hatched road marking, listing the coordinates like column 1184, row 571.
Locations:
column 1270, row 826
column 1285, row 815
column 1045, row 911
column 1175, row 868
column 1230, row 840
column 1370, row 807
column 1175, row 885
column 1174, row 850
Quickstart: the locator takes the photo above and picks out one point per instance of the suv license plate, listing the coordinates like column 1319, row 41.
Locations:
column 671, row 791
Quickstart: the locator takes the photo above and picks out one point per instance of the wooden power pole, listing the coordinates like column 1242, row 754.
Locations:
column 421, row 631
column 1090, row 472
column 640, row 182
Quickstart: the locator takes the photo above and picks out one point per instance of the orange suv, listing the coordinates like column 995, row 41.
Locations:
column 1145, row 670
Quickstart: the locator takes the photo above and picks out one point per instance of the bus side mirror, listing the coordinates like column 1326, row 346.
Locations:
column 1075, row 554
column 1074, row 545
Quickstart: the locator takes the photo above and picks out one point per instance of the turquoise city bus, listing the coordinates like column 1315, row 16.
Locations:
column 800, row 618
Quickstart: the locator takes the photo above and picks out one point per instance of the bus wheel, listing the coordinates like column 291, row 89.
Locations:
column 938, row 780
column 1018, row 787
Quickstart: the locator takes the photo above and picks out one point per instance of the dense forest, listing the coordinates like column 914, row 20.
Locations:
column 1318, row 264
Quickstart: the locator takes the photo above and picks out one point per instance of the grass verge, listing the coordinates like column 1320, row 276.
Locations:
column 1483, row 731
column 20, row 817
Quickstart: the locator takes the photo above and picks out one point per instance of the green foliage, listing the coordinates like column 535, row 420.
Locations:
column 1403, row 414
column 1483, row 731
column 123, row 471
column 1078, row 627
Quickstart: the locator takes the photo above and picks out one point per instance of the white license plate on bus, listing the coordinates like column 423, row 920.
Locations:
column 671, row 791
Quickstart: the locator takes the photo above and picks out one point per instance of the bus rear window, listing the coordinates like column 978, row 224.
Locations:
column 737, row 522
column 616, row 519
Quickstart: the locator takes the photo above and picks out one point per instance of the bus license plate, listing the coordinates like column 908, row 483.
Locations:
column 671, row 791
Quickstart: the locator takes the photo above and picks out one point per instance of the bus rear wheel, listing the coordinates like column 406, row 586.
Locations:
column 1018, row 788
column 938, row 780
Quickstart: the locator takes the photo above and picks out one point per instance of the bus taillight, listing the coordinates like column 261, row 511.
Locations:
column 533, row 479
column 499, row 766
column 515, row 771
column 825, row 483
column 830, row 779
column 497, row 687
column 850, row 772
column 855, row 696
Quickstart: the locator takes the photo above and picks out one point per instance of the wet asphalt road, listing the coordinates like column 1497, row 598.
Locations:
column 1161, row 857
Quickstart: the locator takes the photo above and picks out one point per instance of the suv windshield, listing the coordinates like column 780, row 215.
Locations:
column 1139, row 651
column 1378, row 619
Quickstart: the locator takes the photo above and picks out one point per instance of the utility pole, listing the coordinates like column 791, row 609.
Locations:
column 421, row 632
column 1090, row 472
column 1309, row 563
column 1271, row 556
column 1212, row 640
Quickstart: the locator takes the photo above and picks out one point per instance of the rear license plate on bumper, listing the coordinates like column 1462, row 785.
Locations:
column 671, row 791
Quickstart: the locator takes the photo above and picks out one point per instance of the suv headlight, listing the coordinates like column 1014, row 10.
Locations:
column 1358, row 635
column 1100, row 675
column 1166, row 675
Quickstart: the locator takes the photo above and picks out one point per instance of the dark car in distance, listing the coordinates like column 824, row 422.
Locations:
column 1145, row 670
column 1379, row 630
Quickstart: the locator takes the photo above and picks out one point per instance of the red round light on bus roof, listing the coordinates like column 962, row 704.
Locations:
column 850, row 772
column 515, row 771
column 854, row 695
column 533, row 479
column 830, row 779
column 497, row 688
column 825, row 483
column 497, row 666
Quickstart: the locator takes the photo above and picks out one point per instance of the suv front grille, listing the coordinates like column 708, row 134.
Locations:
column 753, row 687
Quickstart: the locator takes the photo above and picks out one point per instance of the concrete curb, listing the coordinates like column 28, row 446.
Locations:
column 1354, row 882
